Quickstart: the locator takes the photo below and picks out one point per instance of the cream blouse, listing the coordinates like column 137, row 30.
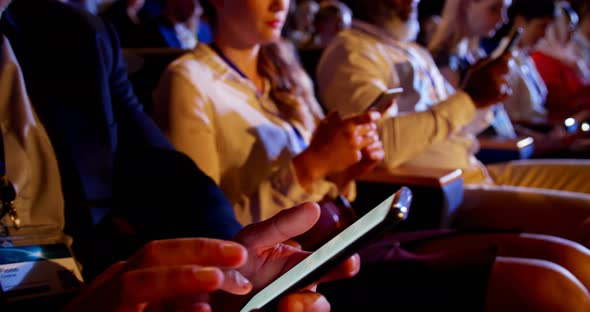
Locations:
column 234, row 133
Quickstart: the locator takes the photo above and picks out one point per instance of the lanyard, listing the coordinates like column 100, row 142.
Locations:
column 227, row 60
column 7, row 191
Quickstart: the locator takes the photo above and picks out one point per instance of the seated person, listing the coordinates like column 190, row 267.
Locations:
column 106, row 151
column 301, row 155
column 565, row 73
column 331, row 18
column 429, row 12
column 529, row 90
column 581, row 38
column 301, row 17
column 153, row 277
column 432, row 127
column 125, row 15
column 177, row 26
column 526, row 105
column 223, row 108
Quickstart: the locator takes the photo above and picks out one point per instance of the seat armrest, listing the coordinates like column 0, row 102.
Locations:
column 437, row 193
column 417, row 176
column 498, row 149
column 571, row 123
column 505, row 143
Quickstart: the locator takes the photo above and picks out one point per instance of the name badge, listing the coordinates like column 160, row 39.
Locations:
column 32, row 268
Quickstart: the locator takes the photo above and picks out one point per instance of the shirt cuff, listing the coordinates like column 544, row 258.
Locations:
column 458, row 109
column 286, row 183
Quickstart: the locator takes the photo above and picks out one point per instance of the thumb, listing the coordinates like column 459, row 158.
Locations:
column 285, row 225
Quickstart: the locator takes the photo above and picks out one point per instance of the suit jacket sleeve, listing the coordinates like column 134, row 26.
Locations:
column 158, row 190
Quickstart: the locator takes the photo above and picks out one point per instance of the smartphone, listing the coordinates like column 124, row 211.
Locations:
column 385, row 99
column 513, row 39
column 378, row 220
column 505, row 46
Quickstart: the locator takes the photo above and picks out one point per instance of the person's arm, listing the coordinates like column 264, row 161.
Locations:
column 182, row 273
column 407, row 136
column 351, row 76
column 189, row 121
column 157, row 192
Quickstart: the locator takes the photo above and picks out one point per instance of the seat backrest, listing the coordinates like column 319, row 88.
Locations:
column 145, row 66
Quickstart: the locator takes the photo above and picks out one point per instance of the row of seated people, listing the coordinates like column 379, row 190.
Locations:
column 83, row 157
column 544, row 102
column 224, row 111
column 556, row 131
column 156, row 23
column 531, row 110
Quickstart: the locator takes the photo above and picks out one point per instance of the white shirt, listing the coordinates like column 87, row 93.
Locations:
column 234, row 133
column 430, row 126
column 527, row 102
column 30, row 160
column 186, row 36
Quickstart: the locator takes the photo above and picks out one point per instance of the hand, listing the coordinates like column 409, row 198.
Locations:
column 167, row 274
column 336, row 145
column 268, row 258
column 487, row 81
column 372, row 155
column 180, row 274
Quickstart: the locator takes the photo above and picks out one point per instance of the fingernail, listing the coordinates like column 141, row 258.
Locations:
column 240, row 280
column 207, row 274
column 232, row 250
column 309, row 301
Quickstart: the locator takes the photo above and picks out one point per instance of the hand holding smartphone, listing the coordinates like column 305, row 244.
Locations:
column 506, row 46
column 378, row 220
column 486, row 81
column 382, row 103
column 513, row 39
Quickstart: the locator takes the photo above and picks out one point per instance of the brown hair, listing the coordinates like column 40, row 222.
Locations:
column 279, row 64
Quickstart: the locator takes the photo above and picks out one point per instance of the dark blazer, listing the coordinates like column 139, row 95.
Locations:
column 114, row 162
column 130, row 34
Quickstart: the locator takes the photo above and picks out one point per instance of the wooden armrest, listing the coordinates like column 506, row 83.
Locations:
column 409, row 175
column 437, row 193
column 570, row 122
column 495, row 149
column 499, row 143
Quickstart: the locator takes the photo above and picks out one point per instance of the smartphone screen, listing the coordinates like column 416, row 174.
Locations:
column 379, row 219
column 385, row 99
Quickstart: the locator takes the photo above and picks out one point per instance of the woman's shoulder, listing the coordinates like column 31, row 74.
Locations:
column 198, row 65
